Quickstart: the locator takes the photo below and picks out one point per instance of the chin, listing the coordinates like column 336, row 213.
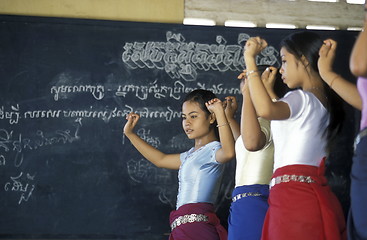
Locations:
column 189, row 136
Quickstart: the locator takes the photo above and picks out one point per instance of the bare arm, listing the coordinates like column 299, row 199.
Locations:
column 230, row 111
column 263, row 104
column 252, row 136
column 346, row 90
column 358, row 59
column 159, row 159
column 268, row 77
column 227, row 151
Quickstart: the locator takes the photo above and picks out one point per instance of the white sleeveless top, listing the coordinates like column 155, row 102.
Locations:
column 255, row 167
column 300, row 139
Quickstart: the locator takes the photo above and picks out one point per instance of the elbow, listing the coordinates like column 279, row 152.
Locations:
column 264, row 113
column 253, row 146
column 358, row 69
column 231, row 155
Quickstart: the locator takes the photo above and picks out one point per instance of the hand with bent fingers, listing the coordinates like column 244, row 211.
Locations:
column 327, row 57
column 254, row 46
column 268, row 78
column 132, row 119
column 230, row 106
column 243, row 84
column 214, row 105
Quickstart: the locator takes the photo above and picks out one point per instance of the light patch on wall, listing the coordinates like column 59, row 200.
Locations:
column 280, row 25
column 358, row 29
column 323, row 0
column 355, row 1
column 199, row 21
column 320, row 27
column 235, row 23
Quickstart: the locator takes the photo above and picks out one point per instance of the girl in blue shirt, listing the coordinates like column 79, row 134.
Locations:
column 200, row 168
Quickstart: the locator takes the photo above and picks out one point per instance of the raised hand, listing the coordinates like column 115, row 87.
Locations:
column 268, row 78
column 327, row 57
column 214, row 105
column 243, row 84
column 230, row 106
column 132, row 120
column 254, row 46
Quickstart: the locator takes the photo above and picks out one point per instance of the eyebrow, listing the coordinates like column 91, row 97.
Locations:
column 189, row 113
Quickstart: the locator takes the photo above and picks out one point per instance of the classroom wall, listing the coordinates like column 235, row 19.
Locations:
column 170, row 11
column 301, row 13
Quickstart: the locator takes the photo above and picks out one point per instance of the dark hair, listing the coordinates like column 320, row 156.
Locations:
column 202, row 96
column 308, row 44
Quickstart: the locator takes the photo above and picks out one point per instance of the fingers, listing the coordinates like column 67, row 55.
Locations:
column 273, row 71
column 256, row 44
column 230, row 98
column 331, row 43
column 269, row 73
column 258, row 41
column 242, row 75
column 211, row 101
column 132, row 117
column 329, row 46
column 263, row 43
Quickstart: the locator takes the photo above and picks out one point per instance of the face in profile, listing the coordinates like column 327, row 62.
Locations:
column 291, row 69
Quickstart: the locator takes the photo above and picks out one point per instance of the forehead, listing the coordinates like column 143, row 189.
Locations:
column 190, row 106
column 284, row 52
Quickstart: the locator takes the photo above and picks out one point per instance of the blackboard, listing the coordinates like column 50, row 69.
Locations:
column 66, row 170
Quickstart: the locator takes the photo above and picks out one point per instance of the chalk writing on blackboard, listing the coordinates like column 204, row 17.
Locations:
column 96, row 91
column 21, row 184
column 183, row 60
column 11, row 141
column 175, row 91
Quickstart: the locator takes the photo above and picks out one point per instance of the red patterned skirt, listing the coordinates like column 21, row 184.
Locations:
column 302, row 206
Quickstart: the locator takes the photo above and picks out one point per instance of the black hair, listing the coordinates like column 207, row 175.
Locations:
column 308, row 44
column 202, row 96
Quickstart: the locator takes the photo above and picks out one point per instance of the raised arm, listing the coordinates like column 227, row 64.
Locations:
column 230, row 109
column 252, row 136
column 263, row 103
column 358, row 59
column 268, row 78
column 159, row 159
column 227, row 151
column 346, row 90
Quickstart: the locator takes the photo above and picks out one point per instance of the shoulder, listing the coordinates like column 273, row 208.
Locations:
column 297, row 101
column 213, row 146
column 293, row 95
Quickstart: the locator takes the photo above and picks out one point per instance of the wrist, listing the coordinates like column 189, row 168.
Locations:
column 330, row 78
column 249, row 59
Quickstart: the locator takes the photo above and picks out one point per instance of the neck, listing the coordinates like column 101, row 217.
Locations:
column 313, row 83
column 199, row 142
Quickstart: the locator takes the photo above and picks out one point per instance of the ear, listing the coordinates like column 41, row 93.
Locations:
column 212, row 118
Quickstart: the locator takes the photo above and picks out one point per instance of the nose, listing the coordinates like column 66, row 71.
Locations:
column 281, row 70
column 186, row 122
